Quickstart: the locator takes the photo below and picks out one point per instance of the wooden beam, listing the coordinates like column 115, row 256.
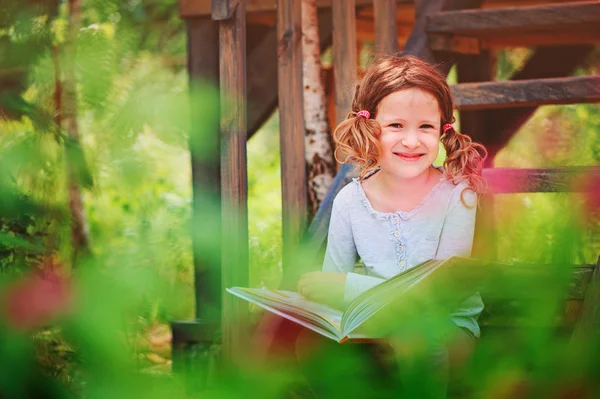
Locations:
column 513, row 20
column 473, row 45
column 548, row 180
column 291, row 127
column 195, row 8
column 516, row 289
column 479, row 68
column 522, row 93
column 344, row 56
column 418, row 41
column 262, row 66
column 546, row 62
column 454, row 44
column 366, row 30
column 223, row 9
column 205, row 144
column 386, row 35
column 587, row 329
column 588, row 36
column 234, row 179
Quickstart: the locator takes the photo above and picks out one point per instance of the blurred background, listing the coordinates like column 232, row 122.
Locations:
column 96, row 255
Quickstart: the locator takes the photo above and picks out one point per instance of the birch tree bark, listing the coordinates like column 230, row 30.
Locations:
column 318, row 145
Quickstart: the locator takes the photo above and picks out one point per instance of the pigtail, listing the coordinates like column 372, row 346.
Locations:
column 356, row 140
column 464, row 160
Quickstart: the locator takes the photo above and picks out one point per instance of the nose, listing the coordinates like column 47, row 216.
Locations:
column 410, row 140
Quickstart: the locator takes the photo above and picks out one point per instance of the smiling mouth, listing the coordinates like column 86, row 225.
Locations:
column 408, row 157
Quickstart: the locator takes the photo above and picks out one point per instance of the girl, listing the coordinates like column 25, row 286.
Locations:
column 402, row 210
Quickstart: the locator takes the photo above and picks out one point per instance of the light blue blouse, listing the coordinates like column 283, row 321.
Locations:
column 441, row 226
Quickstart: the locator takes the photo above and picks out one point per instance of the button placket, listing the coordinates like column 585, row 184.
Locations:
column 399, row 245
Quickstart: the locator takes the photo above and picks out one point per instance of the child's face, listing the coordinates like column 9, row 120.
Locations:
column 410, row 132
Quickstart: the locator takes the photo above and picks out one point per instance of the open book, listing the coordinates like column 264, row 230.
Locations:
column 445, row 281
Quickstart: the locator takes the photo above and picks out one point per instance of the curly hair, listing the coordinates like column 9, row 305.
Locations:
column 357, row 138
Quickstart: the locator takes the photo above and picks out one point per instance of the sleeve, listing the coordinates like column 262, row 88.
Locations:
column 456, row 238
column 341, row 254
column 356, row 284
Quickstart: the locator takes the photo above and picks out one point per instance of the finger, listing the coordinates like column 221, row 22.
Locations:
column 303, row 283
column 317, row 275
column 314, row 291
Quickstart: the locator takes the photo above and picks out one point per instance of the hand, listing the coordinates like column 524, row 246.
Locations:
column 323, row 287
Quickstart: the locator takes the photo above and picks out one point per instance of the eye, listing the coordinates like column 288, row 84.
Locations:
column 396, row 125
column 426, row 126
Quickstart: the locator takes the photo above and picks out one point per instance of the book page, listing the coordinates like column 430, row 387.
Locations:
column 295, row 304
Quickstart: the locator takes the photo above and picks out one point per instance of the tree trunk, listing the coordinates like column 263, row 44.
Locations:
column 318, row 146
column 68, row 119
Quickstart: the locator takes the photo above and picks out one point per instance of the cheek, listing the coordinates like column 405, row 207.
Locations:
column 432, row 143
column 388, row 140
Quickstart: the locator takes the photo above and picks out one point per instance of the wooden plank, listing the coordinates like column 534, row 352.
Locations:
column 291, row 127
column 344, row 56
column 478, row 68
column 567, row 179
column 473, row 45
column 588, row 36
column 418, row 41
column 523, row 93
column 366, row 31
column 262, row 66
column 234, row 180
column 542, row 64
column 205, row 147
column 454, row 44
column 223, row 9
column 523, row 275
column 196, row 8
column 517, row 291
column 587, row 328
column 386, row 37
column 554, row 17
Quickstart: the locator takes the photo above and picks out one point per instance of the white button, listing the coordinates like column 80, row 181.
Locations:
column 402, row 264
column 396, row 219
column 400, row 248
column 396, row 233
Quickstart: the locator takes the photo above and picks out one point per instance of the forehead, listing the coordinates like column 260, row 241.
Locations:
column 409, row 102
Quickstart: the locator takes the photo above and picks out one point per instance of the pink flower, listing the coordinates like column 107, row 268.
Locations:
column 35, row 300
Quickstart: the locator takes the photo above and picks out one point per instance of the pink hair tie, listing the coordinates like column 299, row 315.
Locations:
column 447, row 127
column 365, row 114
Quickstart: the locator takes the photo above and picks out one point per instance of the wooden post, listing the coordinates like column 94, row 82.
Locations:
column 587, row 329
column 291, row 128
column 344, row 55
column 204, row 143
column 479, row 68
column 386, row 34
column 234, row 179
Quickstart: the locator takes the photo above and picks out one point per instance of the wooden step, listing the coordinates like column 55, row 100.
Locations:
column 524, row 93
column 569, row 23
column 566, row 179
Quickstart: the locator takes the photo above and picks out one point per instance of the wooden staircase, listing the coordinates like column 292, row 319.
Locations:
column 562, row 34
column 461, row 32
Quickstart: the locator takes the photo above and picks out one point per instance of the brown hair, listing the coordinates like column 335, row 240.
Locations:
column 357, row 138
